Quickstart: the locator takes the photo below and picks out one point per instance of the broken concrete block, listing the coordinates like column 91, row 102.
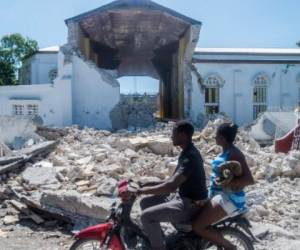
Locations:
column 129, row 153
column 160, row 145
column 58, row 161
column 43, row 164
column 73, row 156
column 3, row 234
column 84, row 161
column 10, row 220
column 100, row 157
column 82, row 183
column 88, row 170
column 39, row 176
column 75, row 173
column 135, row 143
column 106, row 186
column 261, row 211
column 75, row 203
column 112, row 170
column 25, row 210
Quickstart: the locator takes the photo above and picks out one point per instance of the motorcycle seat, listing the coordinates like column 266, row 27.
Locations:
column 187, row 227
column 234, row 216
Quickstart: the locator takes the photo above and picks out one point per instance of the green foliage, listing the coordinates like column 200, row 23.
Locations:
column 7, row 74
column 14, row 49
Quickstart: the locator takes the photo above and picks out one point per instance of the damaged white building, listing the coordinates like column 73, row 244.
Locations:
column 77, row 83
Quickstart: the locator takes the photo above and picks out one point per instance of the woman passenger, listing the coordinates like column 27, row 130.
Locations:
column 228, row 199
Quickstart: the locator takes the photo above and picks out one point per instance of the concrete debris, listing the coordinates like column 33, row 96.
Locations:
column 113, row 170
column 24, row 209
column 3, row 234
column 133, row 143
column 8, row 160
column 10, row 220
column 100, row 157
column 134, row 112
column 25, row 155
column 51, row 134
column 106, row 186
column 87, row 164
column 73, row 202
column 40, row 175
column 160, row 145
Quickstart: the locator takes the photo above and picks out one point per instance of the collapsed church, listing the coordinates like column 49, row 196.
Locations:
column 77, row 83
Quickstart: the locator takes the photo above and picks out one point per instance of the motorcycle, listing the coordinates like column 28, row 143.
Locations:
column 119, row 232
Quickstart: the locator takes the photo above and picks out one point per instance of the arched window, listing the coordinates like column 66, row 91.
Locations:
column 260, row 89
column 212, row 94
column 52, row 75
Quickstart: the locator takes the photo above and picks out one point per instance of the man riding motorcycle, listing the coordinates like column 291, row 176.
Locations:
column 200, row 222
column 190, row 181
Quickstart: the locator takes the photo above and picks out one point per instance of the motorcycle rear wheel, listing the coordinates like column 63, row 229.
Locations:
column 236, row 237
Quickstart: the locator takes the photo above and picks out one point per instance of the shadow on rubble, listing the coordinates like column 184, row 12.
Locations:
column 52, row 227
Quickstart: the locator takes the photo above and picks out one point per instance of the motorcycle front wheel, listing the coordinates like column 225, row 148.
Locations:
column 90, row 244
column 86, row 244
column 236, row 237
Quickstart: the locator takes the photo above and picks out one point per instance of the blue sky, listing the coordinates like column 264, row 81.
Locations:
column 226, row 23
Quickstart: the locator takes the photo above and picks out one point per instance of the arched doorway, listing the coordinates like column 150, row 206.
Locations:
column 141, row 38
column 141, row 93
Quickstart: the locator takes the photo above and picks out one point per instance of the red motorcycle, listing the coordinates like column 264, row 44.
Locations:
column 121, row 233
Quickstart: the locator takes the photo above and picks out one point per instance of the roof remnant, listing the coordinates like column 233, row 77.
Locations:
column 129, row 4
column 263, row 51
column 52, row 49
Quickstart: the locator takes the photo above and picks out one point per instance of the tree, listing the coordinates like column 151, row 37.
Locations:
column 298, row 44
column 7, row 74
column 14, row 49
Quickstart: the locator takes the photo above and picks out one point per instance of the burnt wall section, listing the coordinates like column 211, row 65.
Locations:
column 188, row 44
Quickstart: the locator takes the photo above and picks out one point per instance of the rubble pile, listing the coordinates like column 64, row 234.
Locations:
column 264, row 163
column 134, row 112
column 86, row 165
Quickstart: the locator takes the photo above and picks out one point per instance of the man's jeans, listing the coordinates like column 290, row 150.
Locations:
column 156, row 209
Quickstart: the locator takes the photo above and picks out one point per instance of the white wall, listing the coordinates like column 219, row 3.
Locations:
column 81, row 94
column 53, row 100
column 95, row 93
column 236, row 94
column 41, row 65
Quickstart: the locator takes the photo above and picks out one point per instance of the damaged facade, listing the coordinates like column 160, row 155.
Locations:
column 142, row 38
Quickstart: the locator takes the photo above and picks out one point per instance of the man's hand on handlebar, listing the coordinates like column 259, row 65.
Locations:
column 134, row 188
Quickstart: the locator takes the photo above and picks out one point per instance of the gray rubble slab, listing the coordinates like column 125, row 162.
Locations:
column 73, row 202
column 39, row 176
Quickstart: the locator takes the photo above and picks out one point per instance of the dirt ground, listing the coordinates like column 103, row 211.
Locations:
column 25, row 235
column 28, row 236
